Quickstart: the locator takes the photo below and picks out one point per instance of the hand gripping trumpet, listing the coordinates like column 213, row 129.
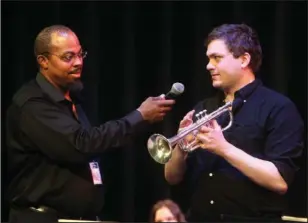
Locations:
column 160, row 147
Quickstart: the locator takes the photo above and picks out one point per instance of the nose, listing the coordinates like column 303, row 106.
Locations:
column 78, row 61
column 210, row 66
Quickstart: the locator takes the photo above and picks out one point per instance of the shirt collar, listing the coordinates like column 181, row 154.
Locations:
column 248, row 89
column 49, row 89
column 243, row 93
column 54, row 93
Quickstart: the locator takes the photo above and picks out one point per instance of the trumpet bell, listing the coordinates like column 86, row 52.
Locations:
column 159, row 148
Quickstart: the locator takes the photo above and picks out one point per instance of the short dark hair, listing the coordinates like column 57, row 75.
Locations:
column 239, row 38
column 43, row 40
column 172, row 206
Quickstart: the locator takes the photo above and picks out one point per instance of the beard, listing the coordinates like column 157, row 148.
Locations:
column 65, row 84
column 75, row 86
column 75, row 89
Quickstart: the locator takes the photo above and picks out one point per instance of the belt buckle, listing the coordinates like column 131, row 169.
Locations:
column 41, row 209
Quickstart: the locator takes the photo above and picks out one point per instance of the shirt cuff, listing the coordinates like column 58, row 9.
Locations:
column 136, row 121
column 285, row 171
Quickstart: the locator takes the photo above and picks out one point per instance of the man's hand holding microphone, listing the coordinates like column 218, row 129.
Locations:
column 154, row 109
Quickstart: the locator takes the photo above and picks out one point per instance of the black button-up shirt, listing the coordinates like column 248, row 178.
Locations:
column 265, row 125
column 49, row 150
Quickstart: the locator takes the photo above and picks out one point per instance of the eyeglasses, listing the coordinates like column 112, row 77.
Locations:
column 69, row 57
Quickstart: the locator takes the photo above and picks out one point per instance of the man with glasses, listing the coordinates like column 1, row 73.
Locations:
column 52, row 149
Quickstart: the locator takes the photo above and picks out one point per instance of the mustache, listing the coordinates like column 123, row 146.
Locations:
column 75, row 71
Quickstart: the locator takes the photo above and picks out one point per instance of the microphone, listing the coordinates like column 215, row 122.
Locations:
column 176, row 90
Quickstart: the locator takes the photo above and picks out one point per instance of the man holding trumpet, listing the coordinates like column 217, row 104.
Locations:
column 240, row 174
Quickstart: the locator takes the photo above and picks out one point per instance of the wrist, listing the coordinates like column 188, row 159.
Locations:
column 141, row 113
column 225, row 150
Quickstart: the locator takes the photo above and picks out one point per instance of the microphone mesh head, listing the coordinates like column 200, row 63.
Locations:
column 177, row 88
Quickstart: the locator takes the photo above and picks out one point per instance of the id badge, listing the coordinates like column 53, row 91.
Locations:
column 96, row 174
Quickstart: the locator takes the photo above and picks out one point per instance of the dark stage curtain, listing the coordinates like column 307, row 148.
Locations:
column 138, row 49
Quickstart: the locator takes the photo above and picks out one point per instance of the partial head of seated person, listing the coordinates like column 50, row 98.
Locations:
column 166, row 211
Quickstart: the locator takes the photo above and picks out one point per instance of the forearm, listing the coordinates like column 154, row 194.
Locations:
column 115, row 133
column 176, row 167
column 62, row 138
column 260, row 171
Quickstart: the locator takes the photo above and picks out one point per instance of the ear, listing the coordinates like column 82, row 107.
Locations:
column 42, row 61
column 245, row 60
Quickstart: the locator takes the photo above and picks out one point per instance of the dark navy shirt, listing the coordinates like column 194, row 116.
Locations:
column 266, row 125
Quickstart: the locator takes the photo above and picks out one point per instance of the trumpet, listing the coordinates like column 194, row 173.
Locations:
column 160, row 147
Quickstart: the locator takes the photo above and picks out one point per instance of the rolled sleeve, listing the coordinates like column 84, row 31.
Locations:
column 285, row 140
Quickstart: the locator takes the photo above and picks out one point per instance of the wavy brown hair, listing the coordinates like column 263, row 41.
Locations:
column 172, row 206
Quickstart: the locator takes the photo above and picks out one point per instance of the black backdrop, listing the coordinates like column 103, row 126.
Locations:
column 138, row 49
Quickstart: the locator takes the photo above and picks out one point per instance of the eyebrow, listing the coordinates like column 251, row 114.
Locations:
column 214, row 54
column 66, row 52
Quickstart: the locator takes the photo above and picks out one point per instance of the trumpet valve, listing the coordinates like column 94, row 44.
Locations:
column 203, row 113
column 198, row 116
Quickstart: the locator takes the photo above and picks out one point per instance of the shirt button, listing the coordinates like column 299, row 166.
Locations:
column 210, row 174
column 212, row 202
